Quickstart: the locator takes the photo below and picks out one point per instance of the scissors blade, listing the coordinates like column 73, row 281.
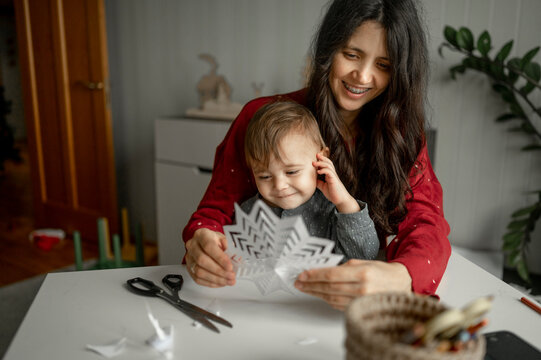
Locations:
column 202, row 312
column 191, row 313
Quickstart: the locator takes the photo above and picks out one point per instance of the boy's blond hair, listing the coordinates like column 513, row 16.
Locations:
column 270, row 124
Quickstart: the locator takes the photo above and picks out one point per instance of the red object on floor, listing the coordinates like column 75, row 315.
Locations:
column 45, row 242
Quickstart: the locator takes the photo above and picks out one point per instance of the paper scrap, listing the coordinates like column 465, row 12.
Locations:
column 307, row 341
column 162, row 340
column 109, row 350
column 271, row 251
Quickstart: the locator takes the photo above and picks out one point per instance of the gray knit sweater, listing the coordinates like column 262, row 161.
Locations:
column 354, row 234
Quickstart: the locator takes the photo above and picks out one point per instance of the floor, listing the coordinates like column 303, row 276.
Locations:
column 20, row 259
column 23, row 265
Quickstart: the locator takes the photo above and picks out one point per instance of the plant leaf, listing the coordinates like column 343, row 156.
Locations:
column 513, row 69
column 512, row 236
column 536, row 214
column 524, row 211
column 517, row 110
column 496, row 70
column 450, row 35
column 506, row 117
column 464, row 38
column 457, row 69
column 505, row 92
column 440, row 50
column 510, row 246
column 522, row 270
column 533, row 70
column 499, row 88
column 484, row 43
column 526, row 89
column 517, row 224
column 514, row 257
column 527, row 128
column 509, row 97
column 472, row 62
column 531, row 147
column 528, row 57
column 504, row 51
column 512, row 241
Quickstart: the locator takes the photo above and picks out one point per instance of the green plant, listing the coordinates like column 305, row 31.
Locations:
column 514, row 80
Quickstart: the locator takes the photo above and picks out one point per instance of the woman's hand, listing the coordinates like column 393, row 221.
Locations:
column 333, row 188
column 206, row 260
column 339, row 285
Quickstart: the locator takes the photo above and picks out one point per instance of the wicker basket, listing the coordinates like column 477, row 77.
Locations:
column 375, row 323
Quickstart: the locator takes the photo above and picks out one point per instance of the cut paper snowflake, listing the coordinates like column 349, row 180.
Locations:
column 271, row 251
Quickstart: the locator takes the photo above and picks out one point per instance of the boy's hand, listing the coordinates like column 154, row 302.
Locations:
column 332, row 187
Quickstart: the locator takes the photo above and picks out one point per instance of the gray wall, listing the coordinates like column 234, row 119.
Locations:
column 482, row 171
column 153, row 49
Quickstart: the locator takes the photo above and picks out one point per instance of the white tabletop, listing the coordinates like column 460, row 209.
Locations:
column 94, row 307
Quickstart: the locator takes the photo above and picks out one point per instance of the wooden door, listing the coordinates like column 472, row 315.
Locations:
column 62, row 47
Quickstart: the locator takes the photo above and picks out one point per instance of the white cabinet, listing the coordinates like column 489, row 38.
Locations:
column 184, row 154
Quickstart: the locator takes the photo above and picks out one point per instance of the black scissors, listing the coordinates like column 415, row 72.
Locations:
column 174, row 284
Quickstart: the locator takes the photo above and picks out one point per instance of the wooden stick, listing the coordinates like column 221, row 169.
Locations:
column 128, row 250
column 139, row 245
column 102, row 240
column 125, row 228
column 118, row 252
column 78, row 251
column 531, row 304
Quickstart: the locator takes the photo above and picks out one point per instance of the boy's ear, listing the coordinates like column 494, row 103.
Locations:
column 326, row 152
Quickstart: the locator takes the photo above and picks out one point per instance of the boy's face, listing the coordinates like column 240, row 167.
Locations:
column 292, row 181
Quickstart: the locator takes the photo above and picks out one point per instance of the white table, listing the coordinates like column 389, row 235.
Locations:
column 94, row 307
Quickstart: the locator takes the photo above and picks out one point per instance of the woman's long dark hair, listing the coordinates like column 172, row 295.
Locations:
column 391, row 127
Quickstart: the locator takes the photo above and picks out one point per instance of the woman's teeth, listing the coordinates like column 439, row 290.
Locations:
column 355, row 90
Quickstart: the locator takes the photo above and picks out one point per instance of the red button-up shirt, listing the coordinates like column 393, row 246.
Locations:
column 421, row 243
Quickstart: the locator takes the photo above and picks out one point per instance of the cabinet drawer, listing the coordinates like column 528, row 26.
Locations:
column 179, row 190
column 188, row 141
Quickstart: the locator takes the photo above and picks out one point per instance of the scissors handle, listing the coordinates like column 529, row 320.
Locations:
column 144, row 287
column 173, row 282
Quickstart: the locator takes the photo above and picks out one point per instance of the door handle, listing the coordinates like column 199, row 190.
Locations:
column 91, row 85
column 204, row 170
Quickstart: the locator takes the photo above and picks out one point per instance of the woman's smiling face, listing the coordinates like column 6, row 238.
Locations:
column 361, row 70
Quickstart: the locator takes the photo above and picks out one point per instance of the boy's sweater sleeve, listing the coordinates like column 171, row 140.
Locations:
column 421, row 243
column 356, row 234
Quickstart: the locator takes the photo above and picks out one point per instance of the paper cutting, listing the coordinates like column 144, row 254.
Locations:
column 109, row 350
column 307, row 341
column 271, row 251
column 162, row 340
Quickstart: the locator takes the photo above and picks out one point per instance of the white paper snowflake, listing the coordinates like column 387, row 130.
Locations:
column 271, row 251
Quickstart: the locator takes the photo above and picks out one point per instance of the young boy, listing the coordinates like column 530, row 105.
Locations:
column 286, row 153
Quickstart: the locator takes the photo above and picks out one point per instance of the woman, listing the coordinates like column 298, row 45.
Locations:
column 367, row 91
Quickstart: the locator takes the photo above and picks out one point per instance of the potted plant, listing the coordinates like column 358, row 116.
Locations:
column 514, row 80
